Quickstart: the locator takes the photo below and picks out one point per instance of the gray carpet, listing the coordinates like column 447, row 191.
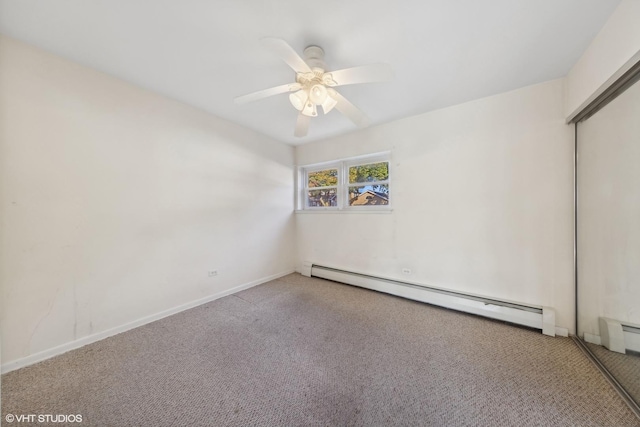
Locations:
column 299, row 351
column 624, row 367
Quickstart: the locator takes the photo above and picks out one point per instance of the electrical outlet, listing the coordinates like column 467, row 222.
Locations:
column 406, row 271
column 213, row 273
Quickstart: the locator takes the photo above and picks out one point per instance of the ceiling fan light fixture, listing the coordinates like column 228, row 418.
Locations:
column 299, row 99
column 328, row 104
column 310, row 110
column 314, row 85
column 318, row 94
column 327, row 80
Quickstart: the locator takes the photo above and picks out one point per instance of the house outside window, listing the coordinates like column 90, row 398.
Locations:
column 358, row 183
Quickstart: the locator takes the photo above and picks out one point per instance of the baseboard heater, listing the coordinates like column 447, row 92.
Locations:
column 616, row 336
column 542, row 318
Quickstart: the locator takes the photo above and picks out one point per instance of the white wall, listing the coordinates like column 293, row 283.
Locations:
column 613, row 47
column 482, row 199
column 115, row 202
column 608, row 213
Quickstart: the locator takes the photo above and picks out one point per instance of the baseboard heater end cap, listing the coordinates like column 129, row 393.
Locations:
column 548, row 321
column 611, row 334
column 305, row 269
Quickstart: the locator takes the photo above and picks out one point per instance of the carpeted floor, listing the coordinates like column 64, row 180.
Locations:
column 624, row 367
column 299, row 351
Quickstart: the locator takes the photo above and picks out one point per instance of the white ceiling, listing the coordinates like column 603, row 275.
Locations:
column 206, row 52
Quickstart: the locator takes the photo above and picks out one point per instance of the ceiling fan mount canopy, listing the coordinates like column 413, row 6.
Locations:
column 314, row 57
column 314, row 85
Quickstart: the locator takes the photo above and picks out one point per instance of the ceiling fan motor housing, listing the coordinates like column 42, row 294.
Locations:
column 314, row 57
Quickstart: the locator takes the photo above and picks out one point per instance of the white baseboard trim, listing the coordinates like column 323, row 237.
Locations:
column 562, row 332
column 72, row 345
column 593, row 339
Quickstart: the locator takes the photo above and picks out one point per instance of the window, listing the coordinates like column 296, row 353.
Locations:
column 359, row 183
column 369, row 184
column 322, row 188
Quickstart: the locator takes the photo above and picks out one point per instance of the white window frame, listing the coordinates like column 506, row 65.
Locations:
column 305, row 182
column 342, row 165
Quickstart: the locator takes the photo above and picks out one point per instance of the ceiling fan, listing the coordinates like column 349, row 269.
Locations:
column 314, row 85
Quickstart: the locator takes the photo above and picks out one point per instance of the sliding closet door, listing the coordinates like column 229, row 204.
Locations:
column 608, row 237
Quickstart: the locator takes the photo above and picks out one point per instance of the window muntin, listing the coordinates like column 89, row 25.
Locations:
column 360, row 183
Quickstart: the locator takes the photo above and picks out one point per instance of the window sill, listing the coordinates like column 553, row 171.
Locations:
column 344, row 211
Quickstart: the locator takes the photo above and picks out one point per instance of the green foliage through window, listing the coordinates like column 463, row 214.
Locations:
column 325, row 178
column 369, row 173
column 357, row 183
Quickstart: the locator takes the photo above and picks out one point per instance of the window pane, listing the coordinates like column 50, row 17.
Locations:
column 323, row 198
column 323, row 178
column 369, row 195
column 368, row 173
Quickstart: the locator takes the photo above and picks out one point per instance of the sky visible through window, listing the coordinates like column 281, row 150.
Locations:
column 375, row 176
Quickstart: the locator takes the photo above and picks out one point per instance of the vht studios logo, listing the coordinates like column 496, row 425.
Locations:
column 43, row 418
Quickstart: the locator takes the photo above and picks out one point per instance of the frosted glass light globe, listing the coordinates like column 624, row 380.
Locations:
column 298, row 99
column 318, row 94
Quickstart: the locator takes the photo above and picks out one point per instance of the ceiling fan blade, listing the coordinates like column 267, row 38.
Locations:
column 364, row 74
column 302, row 125
column 282, row 49
column 289, row 87
column 348, row 109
